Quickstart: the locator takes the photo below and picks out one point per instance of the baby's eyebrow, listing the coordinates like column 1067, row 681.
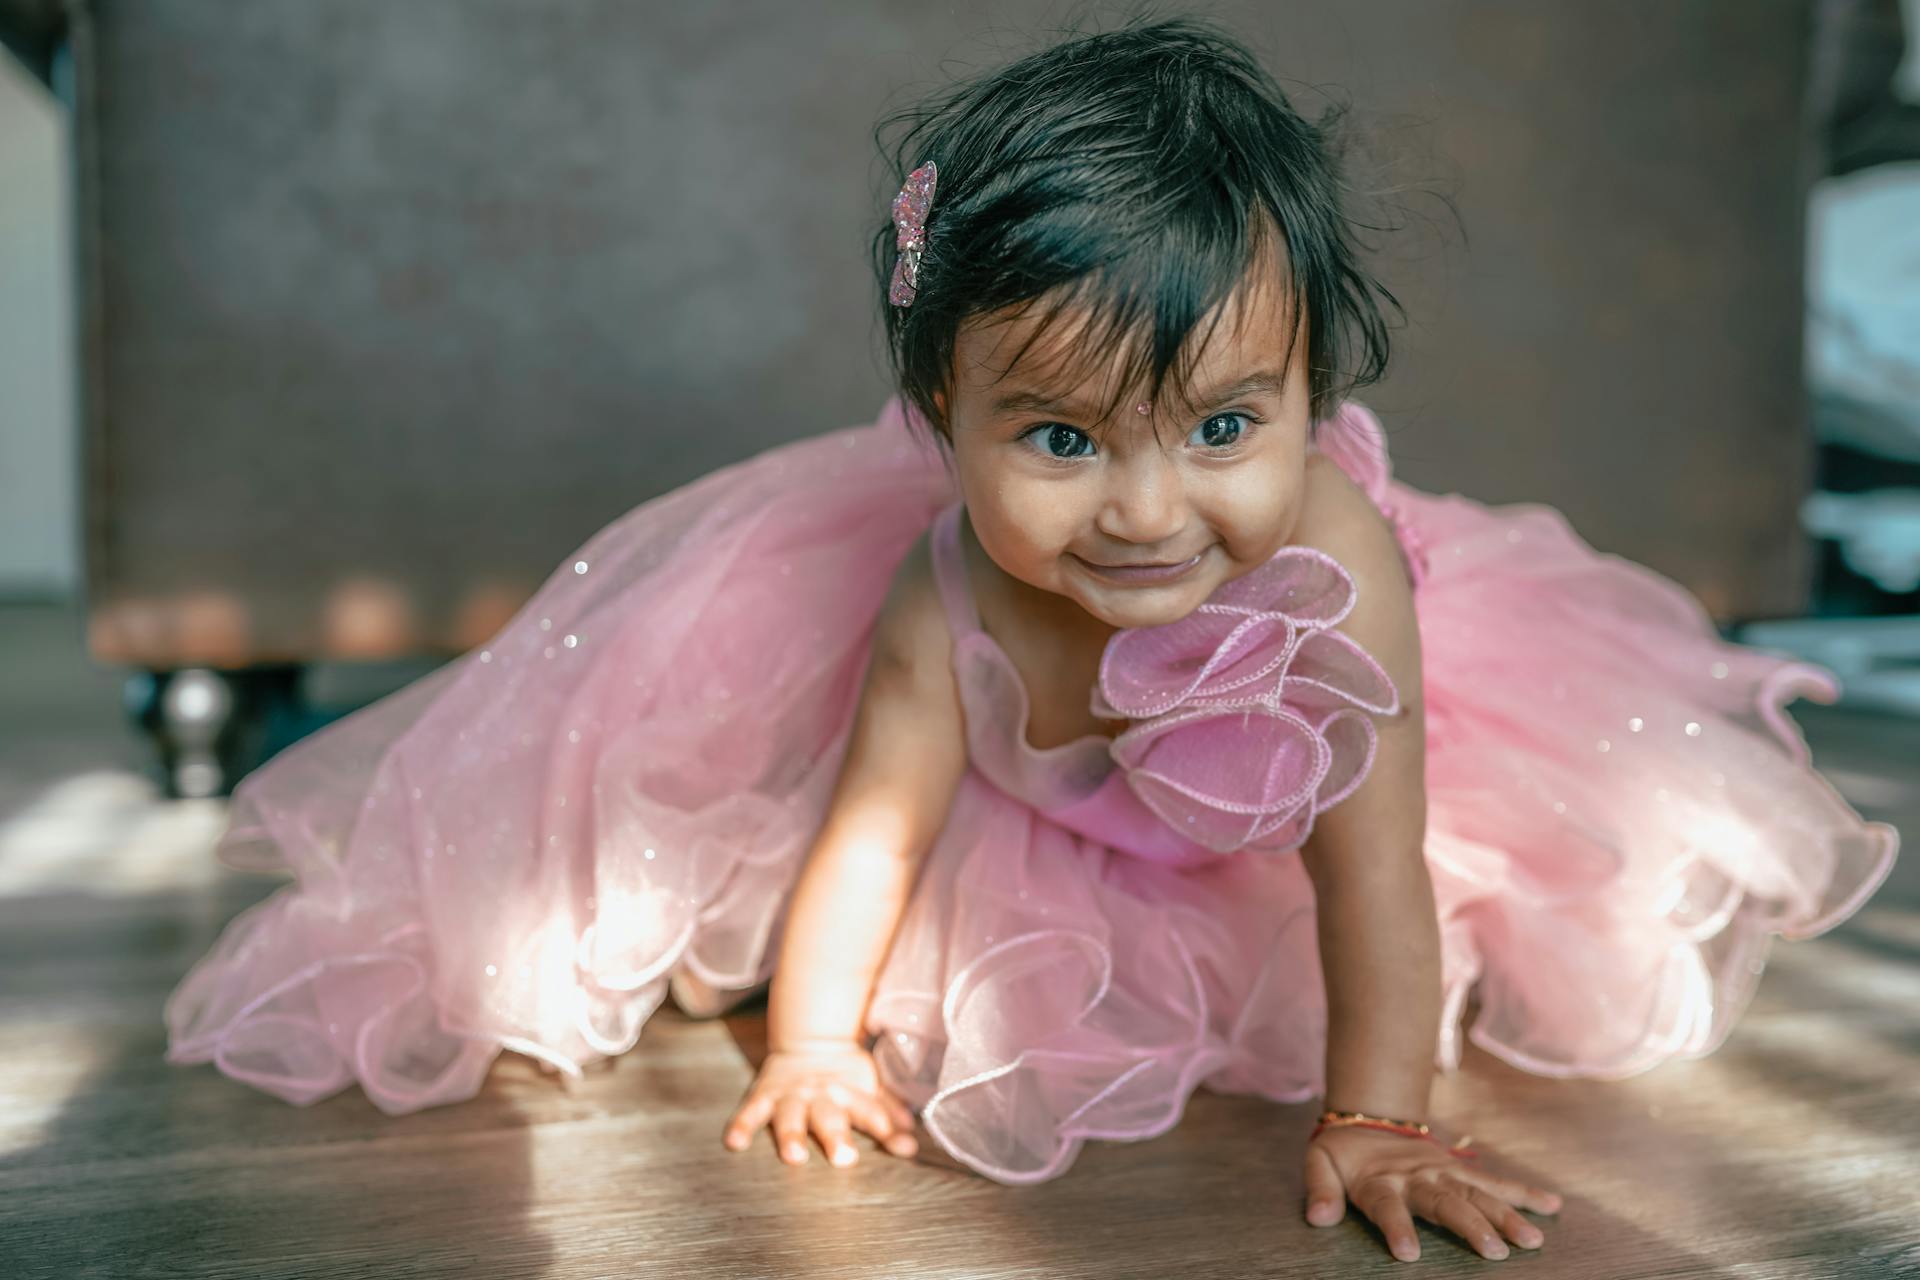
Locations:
column 1266, row 380
column 1039, row 402
column 1027, row 401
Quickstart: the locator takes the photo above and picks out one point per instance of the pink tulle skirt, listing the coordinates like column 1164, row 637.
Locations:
column 518, row 850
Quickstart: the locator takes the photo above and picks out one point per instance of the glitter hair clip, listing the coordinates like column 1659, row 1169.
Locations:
column 910, row 222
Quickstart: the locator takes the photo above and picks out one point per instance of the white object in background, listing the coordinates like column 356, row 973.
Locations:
column 1874, row 658
column 1878, row 533
column 1863, row 305
column 1863, row 369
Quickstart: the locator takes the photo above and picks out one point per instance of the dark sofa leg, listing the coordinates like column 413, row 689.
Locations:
column 212, row 727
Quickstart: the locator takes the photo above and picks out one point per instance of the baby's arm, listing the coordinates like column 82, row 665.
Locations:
column 1380, row 937
column 905, row 756
column 903, row 764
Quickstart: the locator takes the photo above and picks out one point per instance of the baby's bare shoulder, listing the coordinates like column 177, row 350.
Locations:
column 912, row 644
column 1336, row 516
column 908, row 747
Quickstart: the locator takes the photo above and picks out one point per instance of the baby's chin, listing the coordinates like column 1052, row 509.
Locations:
column 1131, row 607
column 1134, row 619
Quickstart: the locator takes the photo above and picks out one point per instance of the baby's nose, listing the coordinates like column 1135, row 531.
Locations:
column 1149, row 509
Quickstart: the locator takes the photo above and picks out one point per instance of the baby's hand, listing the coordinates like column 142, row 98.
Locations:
column 822, row 1089
column 1387, row 1175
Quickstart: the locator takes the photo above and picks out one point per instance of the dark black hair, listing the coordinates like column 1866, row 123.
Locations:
column 1137, row 173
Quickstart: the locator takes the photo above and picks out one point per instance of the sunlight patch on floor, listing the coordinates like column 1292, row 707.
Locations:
column 109, row 832
column 50, row 1064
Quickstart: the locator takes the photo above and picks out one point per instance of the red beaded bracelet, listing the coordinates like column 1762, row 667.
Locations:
column 1331, row 1119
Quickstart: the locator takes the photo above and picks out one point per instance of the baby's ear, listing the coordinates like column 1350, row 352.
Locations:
column 943, row 420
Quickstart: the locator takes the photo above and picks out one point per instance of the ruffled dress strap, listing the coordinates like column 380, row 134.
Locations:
column 994, row 700
column 950, row 573
column 1356, row 442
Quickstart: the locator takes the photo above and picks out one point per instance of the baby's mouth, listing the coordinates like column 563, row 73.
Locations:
column 1143, row 574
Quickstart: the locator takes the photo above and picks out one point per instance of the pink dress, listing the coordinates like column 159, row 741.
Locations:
column 518, row 850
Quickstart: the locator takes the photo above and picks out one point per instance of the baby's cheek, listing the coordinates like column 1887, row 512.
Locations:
column 1260, row 522
column 1020, row 542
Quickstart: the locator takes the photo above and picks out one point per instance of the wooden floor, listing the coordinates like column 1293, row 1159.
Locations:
column 1793, row 1152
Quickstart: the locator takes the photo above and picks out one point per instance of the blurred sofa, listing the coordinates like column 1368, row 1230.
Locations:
column 387, row 307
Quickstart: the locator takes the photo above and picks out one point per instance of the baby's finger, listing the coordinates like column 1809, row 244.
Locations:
column 1537, row 1199
column 1507, row 1218
column 877, row 1119
column 1446, row 1203
column 829, row 1120
column 1326, row 1195
column 869, row 1115
column 1382, row 1202
column 790, row 1129
column 746, row 1121
column 902, row 1113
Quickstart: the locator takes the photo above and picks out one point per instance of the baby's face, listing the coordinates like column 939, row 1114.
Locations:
column 1137, row 518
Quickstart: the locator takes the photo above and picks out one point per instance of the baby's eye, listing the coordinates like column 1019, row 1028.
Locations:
column 1057, row 440
column 1221, row 431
